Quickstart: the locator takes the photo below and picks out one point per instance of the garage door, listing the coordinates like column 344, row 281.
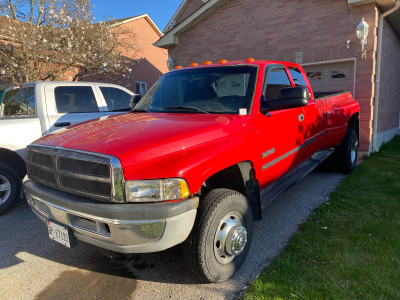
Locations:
column 335, row 77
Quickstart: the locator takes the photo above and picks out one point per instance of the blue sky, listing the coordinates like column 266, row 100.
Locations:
column 160, row 11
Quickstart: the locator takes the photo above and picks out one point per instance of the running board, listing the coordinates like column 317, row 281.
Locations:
column 274, row 190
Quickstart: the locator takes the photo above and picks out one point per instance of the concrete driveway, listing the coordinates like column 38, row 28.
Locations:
column 34, row 267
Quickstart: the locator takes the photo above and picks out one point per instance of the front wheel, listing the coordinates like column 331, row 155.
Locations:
column 221, row 237
column 10, row 187
column 348, row 152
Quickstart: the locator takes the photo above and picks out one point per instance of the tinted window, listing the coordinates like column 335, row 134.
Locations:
column 277, row 79
column 77, row 99
column 18, row 102
column 116, row 99
column 297, row 77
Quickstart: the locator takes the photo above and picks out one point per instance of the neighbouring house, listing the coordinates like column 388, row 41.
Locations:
column 151, row 65
column 153, row 62
column 320, row 35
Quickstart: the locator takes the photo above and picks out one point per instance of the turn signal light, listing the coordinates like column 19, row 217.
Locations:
column 250, row 59
column 194, row 64
column 178, row 67
column 207, row 62
column 222, row 61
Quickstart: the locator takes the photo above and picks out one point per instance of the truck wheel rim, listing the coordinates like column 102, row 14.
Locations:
column 5, row 189
column 230, row 237
column 353, row 151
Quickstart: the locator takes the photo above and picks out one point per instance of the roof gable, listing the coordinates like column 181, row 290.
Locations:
column 172, row 37
column 186, row 8
column 131, row 19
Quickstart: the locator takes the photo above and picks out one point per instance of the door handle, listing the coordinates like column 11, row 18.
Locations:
column 62, row 124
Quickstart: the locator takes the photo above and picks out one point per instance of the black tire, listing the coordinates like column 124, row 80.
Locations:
column 222, row 212
column 10, row 187
column 347, row 152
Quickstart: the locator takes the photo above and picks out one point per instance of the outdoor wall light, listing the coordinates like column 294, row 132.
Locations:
column 362, row 34
column 170, row 63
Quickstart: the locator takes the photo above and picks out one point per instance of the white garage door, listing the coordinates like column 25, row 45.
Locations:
column 334, row 77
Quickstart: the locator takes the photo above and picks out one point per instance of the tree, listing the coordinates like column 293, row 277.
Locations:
column 58, row 39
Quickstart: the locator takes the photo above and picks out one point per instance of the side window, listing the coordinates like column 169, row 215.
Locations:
column 18, row 102
column 277, row 79
column 297, row 77
column 141, row 87
column 75, row 99
column 116, row 99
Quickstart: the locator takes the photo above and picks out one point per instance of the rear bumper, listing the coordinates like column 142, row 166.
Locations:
column 125, row 228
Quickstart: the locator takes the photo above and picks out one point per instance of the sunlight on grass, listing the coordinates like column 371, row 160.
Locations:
column 349, row 247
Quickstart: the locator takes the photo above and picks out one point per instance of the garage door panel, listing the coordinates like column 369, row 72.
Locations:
column 335, row 77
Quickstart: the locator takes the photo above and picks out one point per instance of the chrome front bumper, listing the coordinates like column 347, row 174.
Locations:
column 151, row 228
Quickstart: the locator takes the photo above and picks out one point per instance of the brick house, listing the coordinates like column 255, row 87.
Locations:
column 153, row 62
column 151, row 65
column 320, row 35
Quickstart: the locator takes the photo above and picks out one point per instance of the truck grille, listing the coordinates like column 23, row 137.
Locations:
column 78, row 172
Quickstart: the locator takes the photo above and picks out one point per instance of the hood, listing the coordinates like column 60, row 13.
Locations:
column 137, row 137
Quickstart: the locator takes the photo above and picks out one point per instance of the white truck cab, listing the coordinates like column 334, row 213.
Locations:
column 30, row 110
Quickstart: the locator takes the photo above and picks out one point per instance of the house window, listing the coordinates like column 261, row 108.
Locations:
column 141, row 87
column 314, row 75
column 342, row 74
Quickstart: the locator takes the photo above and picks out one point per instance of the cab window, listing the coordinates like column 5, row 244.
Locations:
column 277, row 80
column 75, row 99
column 19, row 102
column 116, row 99
column 297, row 76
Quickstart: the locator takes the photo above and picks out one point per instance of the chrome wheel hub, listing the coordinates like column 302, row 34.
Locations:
column 237, row 239
column 353, row 151
column 230, row 238
column 5, row 189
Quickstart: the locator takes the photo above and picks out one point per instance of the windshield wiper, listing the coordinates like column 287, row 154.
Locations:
column 190, row 108
column 138, row 110
column 121, row 109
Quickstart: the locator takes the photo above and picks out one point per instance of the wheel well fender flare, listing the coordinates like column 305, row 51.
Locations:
column 13, row 160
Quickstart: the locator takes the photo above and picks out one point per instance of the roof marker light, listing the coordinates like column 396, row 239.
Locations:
column 207, row 62
column 194, row 64
column 250, row 59
column 222, row 61
column 178, row 67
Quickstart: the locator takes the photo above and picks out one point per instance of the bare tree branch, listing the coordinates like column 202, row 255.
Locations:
column 60, row 41
column 12, row 9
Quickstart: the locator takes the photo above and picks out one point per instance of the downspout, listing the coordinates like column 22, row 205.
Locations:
column 378, row 73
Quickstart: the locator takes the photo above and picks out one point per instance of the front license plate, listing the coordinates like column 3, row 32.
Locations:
column 59, row 233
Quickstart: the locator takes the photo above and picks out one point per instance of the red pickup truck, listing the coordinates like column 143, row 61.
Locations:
column 195, row 162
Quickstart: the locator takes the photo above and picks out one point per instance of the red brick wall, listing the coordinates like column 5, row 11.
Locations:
column 389, row 98
column 275, row 30
column 152, row 62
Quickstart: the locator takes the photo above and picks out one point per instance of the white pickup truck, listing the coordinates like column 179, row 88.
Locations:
column 30, row 110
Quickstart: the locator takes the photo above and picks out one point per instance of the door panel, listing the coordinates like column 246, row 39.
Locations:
column 68, row 105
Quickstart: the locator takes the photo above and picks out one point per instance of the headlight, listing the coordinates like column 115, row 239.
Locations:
column 156, row 190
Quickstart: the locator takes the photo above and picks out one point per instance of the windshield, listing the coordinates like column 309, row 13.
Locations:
column 221, row 90
column 19, row 102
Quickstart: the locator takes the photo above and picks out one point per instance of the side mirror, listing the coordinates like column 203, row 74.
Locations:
column 134, row 100
column 291, row 97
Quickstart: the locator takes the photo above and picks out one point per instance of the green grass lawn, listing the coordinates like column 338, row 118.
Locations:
column 349, row 248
